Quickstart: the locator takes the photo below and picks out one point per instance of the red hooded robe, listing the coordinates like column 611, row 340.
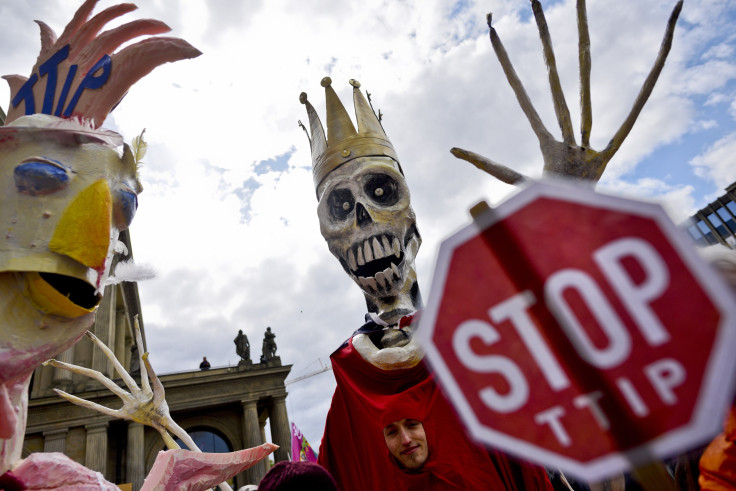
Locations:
column 367, row 399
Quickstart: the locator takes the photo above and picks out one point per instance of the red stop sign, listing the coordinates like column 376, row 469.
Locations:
column 580, row 331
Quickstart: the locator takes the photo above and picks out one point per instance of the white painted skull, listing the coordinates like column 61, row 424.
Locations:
column 369, row 225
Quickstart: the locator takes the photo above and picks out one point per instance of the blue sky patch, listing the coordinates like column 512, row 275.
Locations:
column 279, row 163
column 245, row 193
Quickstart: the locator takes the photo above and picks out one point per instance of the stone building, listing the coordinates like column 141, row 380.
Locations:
column 224, row 409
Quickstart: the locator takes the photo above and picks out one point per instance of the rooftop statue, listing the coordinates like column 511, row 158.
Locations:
column 269, row 345
column 242, row 346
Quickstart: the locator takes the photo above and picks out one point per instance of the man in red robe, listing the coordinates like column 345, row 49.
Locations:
column 368, row 398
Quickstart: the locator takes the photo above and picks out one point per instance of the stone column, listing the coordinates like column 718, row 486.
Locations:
column 121, row 328
column 54, row 440
column 252, row 438
column 62, row 379
column 95, row 454
column 280, row 432
column 135, row 466
column 266, row 462
column 104, row 329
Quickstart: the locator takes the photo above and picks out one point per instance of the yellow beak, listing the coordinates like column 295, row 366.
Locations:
column 83, row 232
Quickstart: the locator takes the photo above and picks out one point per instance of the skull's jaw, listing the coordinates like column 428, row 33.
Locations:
column 376, row 264
column 382, row 265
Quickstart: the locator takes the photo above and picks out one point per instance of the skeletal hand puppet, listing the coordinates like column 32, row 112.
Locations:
column 66, row 191
column 567, row 158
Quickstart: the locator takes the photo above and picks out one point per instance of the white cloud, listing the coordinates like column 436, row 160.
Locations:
column 678, row 201
column 718, row 162
column 722, row 50
column 704, row 125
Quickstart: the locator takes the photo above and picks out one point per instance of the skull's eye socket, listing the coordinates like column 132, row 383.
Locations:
column 341, row 202
column 382, row 189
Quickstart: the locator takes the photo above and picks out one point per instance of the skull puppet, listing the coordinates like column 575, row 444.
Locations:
column 367, row 221
column 364, row 207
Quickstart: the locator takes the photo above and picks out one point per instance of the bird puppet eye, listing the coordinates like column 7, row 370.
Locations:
column 124, row 208
column 38, row 176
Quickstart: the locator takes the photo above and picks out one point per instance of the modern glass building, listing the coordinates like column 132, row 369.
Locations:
column 716, row 223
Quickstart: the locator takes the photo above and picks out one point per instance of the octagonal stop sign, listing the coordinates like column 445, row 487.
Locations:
column 580, row 331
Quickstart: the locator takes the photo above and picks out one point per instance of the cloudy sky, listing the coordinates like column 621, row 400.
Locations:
column 228, row 215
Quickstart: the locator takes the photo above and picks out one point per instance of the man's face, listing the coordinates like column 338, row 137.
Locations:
column 407, row 442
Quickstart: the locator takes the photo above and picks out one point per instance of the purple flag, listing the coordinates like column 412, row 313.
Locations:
column 300, row 449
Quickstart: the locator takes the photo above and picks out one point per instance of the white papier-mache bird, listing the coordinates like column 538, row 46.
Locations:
column 67, row 189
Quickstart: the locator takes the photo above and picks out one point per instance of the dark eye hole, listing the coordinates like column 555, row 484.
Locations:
column 124, row 208
column 39, row 176
column 341, row 202
column 382, row 189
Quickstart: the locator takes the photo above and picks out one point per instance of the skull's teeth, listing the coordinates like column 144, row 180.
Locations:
column 373, row 249
column 386, row 246
column 377, row 249
column 363, row 281
column 367, row 252
column 382, row 279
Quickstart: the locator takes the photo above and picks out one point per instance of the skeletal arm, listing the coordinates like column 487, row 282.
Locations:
column 566, row 158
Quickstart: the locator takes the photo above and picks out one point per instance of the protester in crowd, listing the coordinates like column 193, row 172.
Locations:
column 297, row 476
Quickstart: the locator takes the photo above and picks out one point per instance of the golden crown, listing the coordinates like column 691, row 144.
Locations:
column 343, row 143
